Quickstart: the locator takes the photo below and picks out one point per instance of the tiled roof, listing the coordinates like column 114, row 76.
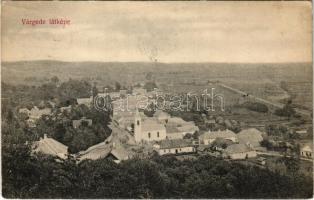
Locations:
column 51, row 146
column 251, row 135
column 120, row 153
column 307, row 147
column 218, row 134
column 37, row 113
column 238, row 148
column 178, row 143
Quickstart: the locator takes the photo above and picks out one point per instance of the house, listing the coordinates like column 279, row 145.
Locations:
column 36, row 113
column 175, row 147
column 220, row 144
column 210, row 121
column 307, row 151
column 97, row 151
column 78, row 123
column 31, row 123
column 173, row 132
column 123, row 92
column 148, row 129
column 239, row 151
column 250, row 136
column 85, row 101
column 114, row 95
column 301, row 132
column 24, row 111
column 51, row 147
column 261, row 161
column 118, row 154
column 208, row 137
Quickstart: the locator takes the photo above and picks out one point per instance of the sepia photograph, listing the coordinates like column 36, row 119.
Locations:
column 156, row 100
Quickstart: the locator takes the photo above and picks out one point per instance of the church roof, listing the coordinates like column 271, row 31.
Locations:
column 172, row 129
column 151, row 125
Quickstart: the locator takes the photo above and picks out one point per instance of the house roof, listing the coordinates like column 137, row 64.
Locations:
column 210, row 121
column 120, row 153
column 51, row 146
column 218, row 134
column 24, row 110
column 307, row 147
column 251, row 135
column 178, row 143
column 100, row 150
column 238, row 148
column 65, row 108
column 84, row 100
column 36, row 113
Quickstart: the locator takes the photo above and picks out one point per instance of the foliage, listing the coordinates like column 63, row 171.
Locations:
column 286, row 111
column 59, row 127
column 150, row 86
column 40, row 176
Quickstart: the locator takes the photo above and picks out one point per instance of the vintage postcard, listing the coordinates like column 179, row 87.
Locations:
column 156, row 100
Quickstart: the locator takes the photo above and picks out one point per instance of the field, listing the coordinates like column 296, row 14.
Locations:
column 262, row 80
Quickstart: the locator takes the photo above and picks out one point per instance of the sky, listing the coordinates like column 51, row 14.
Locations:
column 245, row 32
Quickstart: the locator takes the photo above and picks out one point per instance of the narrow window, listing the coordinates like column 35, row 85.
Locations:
column 157, row 134
column 148, row 135
column 138, row 122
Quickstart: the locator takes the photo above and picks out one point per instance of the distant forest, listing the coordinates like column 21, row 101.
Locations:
column 32, row 72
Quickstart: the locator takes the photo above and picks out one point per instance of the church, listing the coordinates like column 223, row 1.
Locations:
column 148, row 129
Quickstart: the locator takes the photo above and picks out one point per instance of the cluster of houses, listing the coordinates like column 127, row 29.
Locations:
column 34, row 114
column 235, row 146
column 166, row 133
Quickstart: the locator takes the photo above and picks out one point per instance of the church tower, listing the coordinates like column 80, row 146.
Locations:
column 137, row 127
